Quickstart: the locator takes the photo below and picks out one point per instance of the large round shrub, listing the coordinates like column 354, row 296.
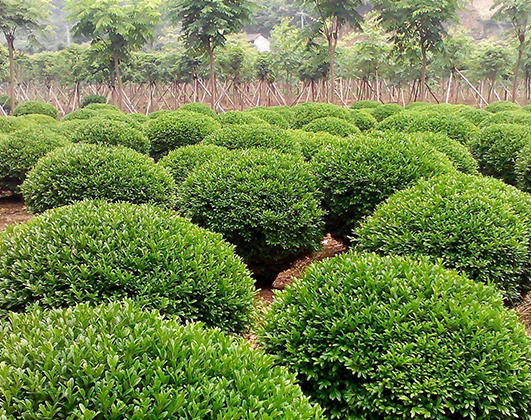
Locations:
column 357, row 175
column 90, row 171
column 180, row 162
column 95, row 251
column 93, row 99
column 36, row 107
column 527, row 108
column 182, row 128
column 384, row 111
column 20, row 151
column 264, row 202
column 260, row 136
column 479, row 226
column 523, row 167
column 272, row 117
column 508, row 117
column 312, row 143
column 37, row 119
column 305, row 113
column 419, row 106
column 80, row 114
column 118, row 362
column 332, row 125
column 10, row 124
column 502, row 106
column 240, row 118
column 366, row 104
column 474, row 115
column 111, row 133
column 199, row 108
column 363, row 119
column 496, row 148
column 394, row 338
column 104, row 108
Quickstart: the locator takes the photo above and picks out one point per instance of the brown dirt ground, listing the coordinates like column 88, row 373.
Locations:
column 12, row 211
column 524, row 312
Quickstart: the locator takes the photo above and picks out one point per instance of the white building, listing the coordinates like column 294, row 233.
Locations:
column 261, row 43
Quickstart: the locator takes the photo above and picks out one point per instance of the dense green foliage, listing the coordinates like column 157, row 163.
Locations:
column 36, row 107
column 357, row 175
column 393, row 338
column 199, row 108
column 523, row 167
column 508, row 117
column 93, row 99
column 91, row 171
column 502, row 106
column 264, row 202
column 479, row 226
column 305, row 113
column 272, row 117
column 363, row 119
column 312, row 143
column 332, row 125
column 181, row 128
column 367, row 104
column 95, row 251
column 384, row 111
column 239, row 118
column 20, row 150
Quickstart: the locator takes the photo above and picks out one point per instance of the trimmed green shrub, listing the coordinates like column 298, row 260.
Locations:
column 95, row 251
column 264, row 202
column 313, row 143
column 181, row 128
column 394, row 338
column 418, row 106
column 92, row 171
column 138, row 118
column 9, row 124
column 104, row 107
column 199, row 108
column 332, row 125
column 474, row 115
column 272, row 117
column 36, row 119
column 180, row 162
column 93, row 99
column 501, row 106
column 367, row 104
column 305, row 113
column 111, row 133
column 384, row 111
column 496, row 149
column 523, row 167
column 20, row 151
column 36, row 107
column 508, row 117
column 453, row 126
column 80, row 114
column 118, row 362
column 240, row 118
column 357, row 175
column 477, row 225
column 527, row 108
column 260, row 136
column 68, row 128
column 363, row 119
column 286, row 111
column 157, row 114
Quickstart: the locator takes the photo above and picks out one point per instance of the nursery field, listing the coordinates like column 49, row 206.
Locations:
column 305, row 262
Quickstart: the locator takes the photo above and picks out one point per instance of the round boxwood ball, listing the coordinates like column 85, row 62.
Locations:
column 508, row 117
column 332, row 125
column 182, row 128
column 313, row 143
column 474, row 115
column 384, row 111
column 527, row 108
column 306, row 112
column 264, row 202
column 91, row 171
column 496, row 148
column 10, row 124
column 357, row 175
column 367, row 104
column 104, row 107
column 118, row 361
column 260, row 136
column 374, row 337
column 95, row 251
column 20, row 151
column 502, row 106
column 111, row 133
column 37, row 119
column 477, row 225
column 523, row 168
column 199, row 108
column 240, row 118
column 180, row 162
column 80, row 114
column 418, row 106
column 271, row 116
column 363, row 119
column 93, row 99
column 36, row 107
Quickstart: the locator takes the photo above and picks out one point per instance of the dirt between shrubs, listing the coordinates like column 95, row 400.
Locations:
column 13, row 211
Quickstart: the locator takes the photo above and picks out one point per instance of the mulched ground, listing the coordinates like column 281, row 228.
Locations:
column 12, row 210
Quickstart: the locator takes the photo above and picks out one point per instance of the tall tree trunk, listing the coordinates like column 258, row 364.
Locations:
column 11, row 89
column 118, row 79
column 423, row 72
column 212, row 77
column 332, row 44
column 518, row 64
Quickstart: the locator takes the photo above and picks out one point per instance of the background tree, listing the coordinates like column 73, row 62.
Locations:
column 206, row 25
column 16, row 15
column 518, row 13
column 115, row 27
column 419, row 23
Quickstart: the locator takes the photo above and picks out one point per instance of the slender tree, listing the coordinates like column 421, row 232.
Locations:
column 419, row 23
column 16, row 15
column 117, row 28
column 332, row 16
column 518, row 13
column 205, row 25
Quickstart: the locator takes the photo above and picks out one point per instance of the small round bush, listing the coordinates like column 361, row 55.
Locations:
column 508, row 117
column 477, row 225
column 10, row 124
column 199, row 108
column 286, row 111
column 453, row 126
column 418, row 106
column 20, row 151
column 157, row 114
column 272, row 117
column 182, row 161
column 264, row 202
column 138, row 118
column 240, row 118
column 357, row 175
column 384, row 111
column 496, row 148
column 313, row 143
column 93, row 99
column 474, row 115
column 36, row 107
column 260, row 136
column 104, row 107
column 96, row 251
column 116, row 361
column 111, row 133
column 332, row 125
column 182, row 128
column 363, row 119
column 367, row 104
column 80, row 114
column 527, row 108
column 36, row 119
column 374, row 337
column 523, row 167
column 92, row 171
column 305, row 113
column 501, row 106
